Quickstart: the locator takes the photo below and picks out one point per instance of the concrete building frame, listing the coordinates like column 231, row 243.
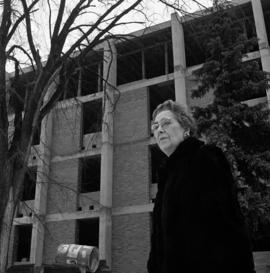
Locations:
column 118, row 220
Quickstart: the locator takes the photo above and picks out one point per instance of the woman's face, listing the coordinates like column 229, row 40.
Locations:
column 167, row 131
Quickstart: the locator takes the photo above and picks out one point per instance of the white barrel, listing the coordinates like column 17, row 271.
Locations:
column 81, row 255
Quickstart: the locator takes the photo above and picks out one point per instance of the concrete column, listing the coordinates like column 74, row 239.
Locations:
column 262, row 36
column 179, row 59
column 40, row 206
column 106, row 183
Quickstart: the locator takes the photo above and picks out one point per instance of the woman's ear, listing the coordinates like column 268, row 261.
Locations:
column 186, row 134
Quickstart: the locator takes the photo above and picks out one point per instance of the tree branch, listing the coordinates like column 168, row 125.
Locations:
column 15, row 101
column 19, row 20
column 180, row 9
column 50, row 18
column 71, row 19
column 107, row 29
column 6, row 23
column 23, row 50
column 58, row 20
column 34, row 51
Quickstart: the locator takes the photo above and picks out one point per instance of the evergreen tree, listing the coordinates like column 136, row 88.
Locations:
column 242, row 131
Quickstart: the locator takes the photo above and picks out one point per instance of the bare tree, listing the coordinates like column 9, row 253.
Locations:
column 18, row 18
column 64, row 24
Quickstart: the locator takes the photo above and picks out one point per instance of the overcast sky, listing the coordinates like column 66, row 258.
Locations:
column 154, row 13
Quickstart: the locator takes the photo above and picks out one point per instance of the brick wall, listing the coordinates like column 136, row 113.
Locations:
column 130, row 243
column 131, row 174
column 63, row 186
column 56, row 233
column 66, row 137
column 130, row 119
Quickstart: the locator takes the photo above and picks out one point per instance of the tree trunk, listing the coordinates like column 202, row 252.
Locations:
column 3, row 137
column 6, row 230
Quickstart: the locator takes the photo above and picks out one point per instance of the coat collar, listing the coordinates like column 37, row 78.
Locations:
column 185, row 149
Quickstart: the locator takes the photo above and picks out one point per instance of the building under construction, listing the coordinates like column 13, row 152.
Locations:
column 92, row 171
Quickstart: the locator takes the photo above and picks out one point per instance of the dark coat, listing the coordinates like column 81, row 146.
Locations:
column 197, row 222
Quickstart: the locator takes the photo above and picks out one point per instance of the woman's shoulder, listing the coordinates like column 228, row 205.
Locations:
column 197, row 146
column 213, row 152
column 212, row 159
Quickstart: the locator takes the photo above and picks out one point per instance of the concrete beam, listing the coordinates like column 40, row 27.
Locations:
column 144, row 83
column 88, row 214
column 179, row 59
column 133, row 209
column 40, row 206
column 66, row 216
column 106, row 179
column 262, row 36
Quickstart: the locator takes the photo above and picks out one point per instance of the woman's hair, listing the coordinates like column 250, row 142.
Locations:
column 181, row 112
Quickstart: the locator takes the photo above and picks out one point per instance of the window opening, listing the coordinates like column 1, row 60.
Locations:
column 69, row 80
column 160, row 93
column 90, row 174
column 92, row 117
column 23, row 235
column 81, row 77
column 91, row 79
column 29, row 184
column 91, row 74
column 36, row 136
column 145, row 57
column 129, row 67
column 71, row 85
column 88, row 232
column 155, row 61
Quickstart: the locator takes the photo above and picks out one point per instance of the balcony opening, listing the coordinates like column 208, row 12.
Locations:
column 69, row 80
column 129, row 67
column 160, row 93
column 195, row 50
column 29, row 184
column 36, row 136
column 92, row 117
column 90, row 174
column 88, row 232
column 23, row 234
column 81, row 77
column 157, row 158
column 145, row 57
column 154, row 61
column 91, row 74
column 158, row 60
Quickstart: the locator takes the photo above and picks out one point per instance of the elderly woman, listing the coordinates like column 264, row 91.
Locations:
column 197, row 222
